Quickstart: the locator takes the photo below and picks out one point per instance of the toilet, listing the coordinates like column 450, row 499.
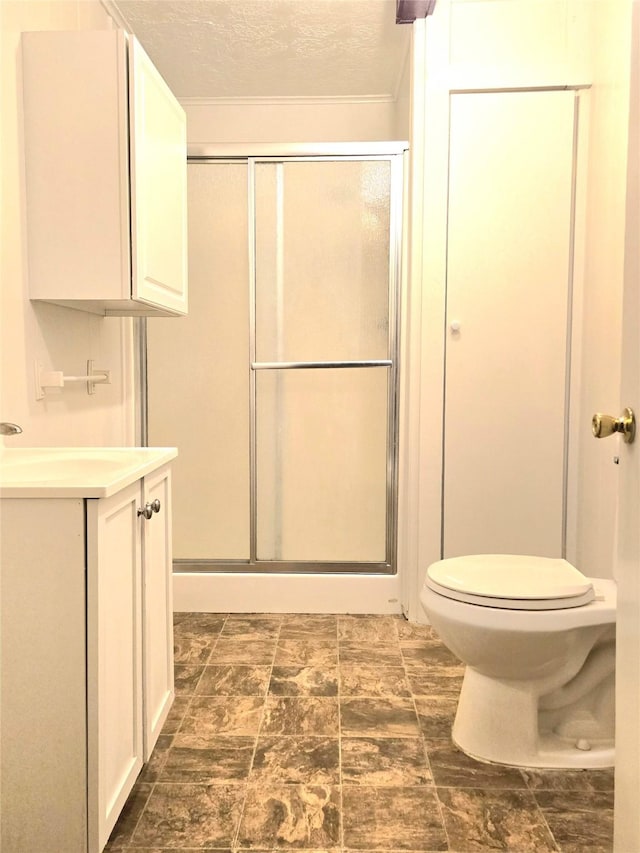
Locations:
column 538, row 641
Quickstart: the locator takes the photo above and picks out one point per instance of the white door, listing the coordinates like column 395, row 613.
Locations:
column 627, row 570
column 114, row 657
column 157, row 607
column 508, row 295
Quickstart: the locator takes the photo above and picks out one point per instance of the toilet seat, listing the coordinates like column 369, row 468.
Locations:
column 511, row 582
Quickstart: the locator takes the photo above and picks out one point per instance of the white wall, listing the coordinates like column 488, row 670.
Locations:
column 290, row 120
column 402, row 110
column 60, row 338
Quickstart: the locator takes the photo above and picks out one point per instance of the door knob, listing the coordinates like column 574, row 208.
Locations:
column 604, row 425
column 146, row 511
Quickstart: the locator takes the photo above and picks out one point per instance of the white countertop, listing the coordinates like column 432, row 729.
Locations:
column 76, row 472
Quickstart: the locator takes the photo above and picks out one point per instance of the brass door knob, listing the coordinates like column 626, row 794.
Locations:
column 604, row 425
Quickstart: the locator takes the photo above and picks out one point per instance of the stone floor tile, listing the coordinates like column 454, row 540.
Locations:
column 384, row 761
column 190, row 815
column 197, row 758
column 570, row 780
column 176, row 714
column 309, row 625
column 233, row 715
column 350, row 652
column 233, row 650
column 232, row 679
column 300, row 715
column 436, row 715
column 280, row 749
column 291, row 817
column 186, row 678
column 579, row 820
column 251, row 627
column 392, row 819
column 296, row 760
column 151, row 770
column 427, row 681
column 430, row 652
column 479, row 819
column 129, row 817
column 369, row 630
column 409, row 631
column 378, row 717
column 367, row 680
column 192, row 650
column 304, row 681
column 452, row 768
column 203, row 625
column 306, row 653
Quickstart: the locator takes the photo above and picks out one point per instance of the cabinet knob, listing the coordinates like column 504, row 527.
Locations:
column 146, row 511
column 155, row 505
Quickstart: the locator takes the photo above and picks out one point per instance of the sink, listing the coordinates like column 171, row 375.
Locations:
column 76, row 471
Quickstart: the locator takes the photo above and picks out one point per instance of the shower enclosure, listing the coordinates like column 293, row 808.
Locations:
column 280, row 387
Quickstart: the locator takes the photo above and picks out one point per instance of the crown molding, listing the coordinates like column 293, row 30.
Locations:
column 116, row 15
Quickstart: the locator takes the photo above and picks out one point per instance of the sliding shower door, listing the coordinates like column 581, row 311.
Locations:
column 197, row 375
column 287, row 430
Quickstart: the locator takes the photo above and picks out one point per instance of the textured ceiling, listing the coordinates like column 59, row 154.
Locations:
column 272, row 48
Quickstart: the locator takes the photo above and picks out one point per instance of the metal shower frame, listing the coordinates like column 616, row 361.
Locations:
column 252, row 155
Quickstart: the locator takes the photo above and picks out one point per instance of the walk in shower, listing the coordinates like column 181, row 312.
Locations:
column 280, row 387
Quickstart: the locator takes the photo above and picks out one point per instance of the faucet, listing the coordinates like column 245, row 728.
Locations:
column 9, row 429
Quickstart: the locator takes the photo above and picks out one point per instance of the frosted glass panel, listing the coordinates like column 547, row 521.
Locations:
column 322, row 260
column 198, row 374
column 322, row 464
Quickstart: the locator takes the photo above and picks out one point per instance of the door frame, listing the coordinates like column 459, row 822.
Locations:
column 627, row 559
column 424, row 338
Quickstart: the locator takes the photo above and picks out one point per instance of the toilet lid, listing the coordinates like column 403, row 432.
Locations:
column 513, row 579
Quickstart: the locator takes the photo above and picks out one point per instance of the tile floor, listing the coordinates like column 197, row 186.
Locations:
column 332, row 733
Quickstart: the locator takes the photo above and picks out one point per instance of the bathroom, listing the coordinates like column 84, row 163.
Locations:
column 499, row 47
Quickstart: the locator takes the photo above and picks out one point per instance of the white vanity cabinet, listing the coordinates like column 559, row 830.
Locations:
column 105, row 161
column 87, row 659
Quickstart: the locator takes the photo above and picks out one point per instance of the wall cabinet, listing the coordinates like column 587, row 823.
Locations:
column 87, row 659
column 105, row 162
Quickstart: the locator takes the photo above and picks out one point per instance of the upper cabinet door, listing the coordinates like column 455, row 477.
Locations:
column 105, row 162
column 158, row 169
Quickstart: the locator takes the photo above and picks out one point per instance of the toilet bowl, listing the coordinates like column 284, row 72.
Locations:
column 538, row 641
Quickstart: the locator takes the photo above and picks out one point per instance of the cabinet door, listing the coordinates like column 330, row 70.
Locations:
column 157, row 608
column 114, row 666
column 43, row 770
column 158, row 154
column 77, row 182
